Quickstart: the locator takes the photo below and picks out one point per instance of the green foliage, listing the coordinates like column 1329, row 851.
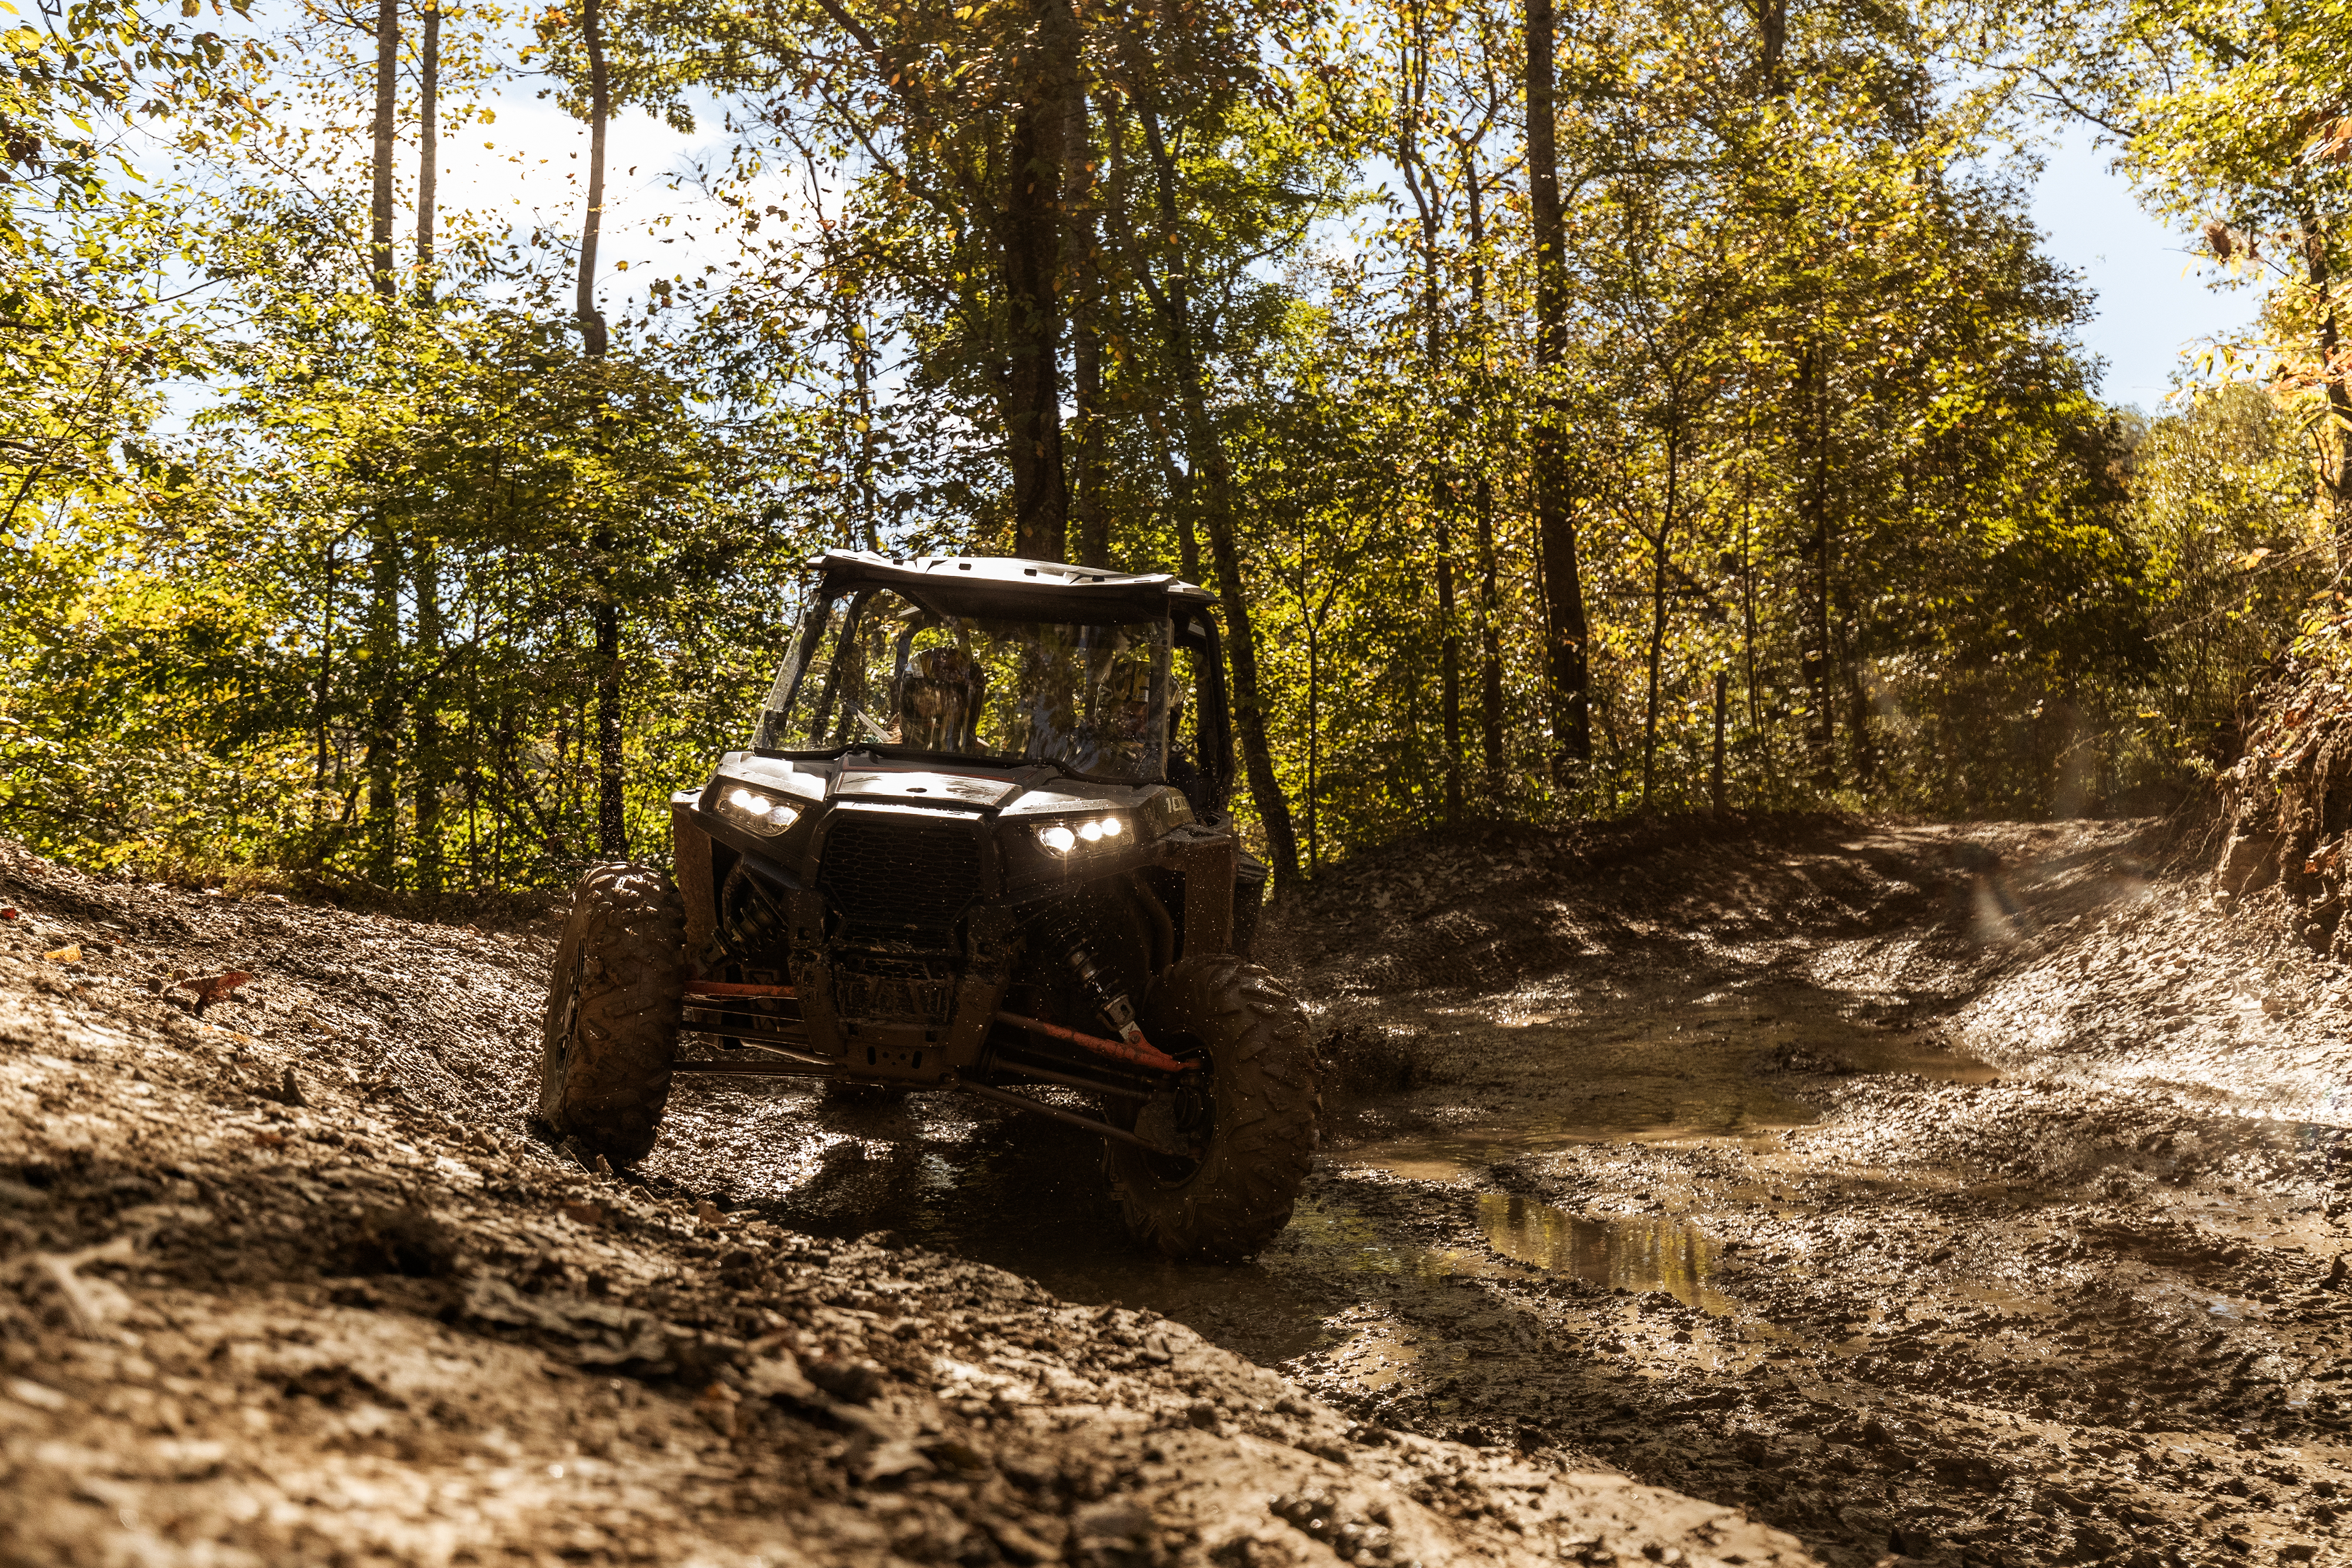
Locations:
column 296, row 575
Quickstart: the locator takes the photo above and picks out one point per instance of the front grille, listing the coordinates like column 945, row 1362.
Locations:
column 872, row 986
column 899, row 876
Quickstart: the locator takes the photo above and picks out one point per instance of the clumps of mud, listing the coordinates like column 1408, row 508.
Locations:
column 265, row 1299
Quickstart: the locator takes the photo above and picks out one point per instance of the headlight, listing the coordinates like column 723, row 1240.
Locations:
column 762, row 813
column 1061, row 838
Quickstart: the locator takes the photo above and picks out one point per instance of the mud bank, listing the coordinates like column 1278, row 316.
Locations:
column 289, row 1283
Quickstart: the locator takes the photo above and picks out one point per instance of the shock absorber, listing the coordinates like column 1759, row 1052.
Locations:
column 751, row 919
column 1116, row 1009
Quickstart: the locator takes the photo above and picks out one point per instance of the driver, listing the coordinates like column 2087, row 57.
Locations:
column 1126, row 701
column 939, row 700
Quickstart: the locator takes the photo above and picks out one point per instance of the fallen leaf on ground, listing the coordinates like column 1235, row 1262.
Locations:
column 210, row 989
column 69, row 954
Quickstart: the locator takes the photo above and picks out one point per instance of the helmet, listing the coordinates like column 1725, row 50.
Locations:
column 940, row 700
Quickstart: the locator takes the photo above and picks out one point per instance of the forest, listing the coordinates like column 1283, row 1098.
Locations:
column 1637, row 408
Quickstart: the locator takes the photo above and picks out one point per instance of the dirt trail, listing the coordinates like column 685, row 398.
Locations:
column 1957, row 1194
column 289, row 1283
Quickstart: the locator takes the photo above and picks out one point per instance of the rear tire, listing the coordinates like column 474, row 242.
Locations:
column 1264, row 1102
column 615, row 1005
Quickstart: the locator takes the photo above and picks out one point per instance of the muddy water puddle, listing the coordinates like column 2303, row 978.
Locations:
column 1025, row 1196
column 1638, row 1255
column 1713, row 1068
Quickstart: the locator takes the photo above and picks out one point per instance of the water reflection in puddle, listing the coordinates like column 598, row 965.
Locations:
column 1638, row 1253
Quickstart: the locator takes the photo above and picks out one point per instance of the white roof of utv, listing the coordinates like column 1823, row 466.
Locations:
column 1114, row 590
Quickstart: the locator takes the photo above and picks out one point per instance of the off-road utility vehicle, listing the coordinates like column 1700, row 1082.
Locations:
column 969, row 847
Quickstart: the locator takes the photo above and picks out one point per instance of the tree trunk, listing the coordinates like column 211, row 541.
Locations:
column 1714, row 793
column 1490, row 652
column 1772, row 41
column 326, row 679
column 428, row 148
column 591, row 228
column 868, row 529
column 1490, row 649
column 383, row 704
column 1658, row 624
column 1081, row 267
column 611, row 825
column 1428, row 198
column 429, row 764
column 1568, row 672
column 1449, row 669
column 1820, row 680
column 380, row 133
column 1172, row 298
column 1314, row 748
column 1030, row 246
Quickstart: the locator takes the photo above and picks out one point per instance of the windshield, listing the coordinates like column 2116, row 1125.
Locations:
column 887, row 672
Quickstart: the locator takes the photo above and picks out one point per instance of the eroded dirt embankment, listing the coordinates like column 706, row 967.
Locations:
column 289, row 1284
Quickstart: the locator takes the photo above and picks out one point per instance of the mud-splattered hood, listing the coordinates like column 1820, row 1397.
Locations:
column 1034, row 791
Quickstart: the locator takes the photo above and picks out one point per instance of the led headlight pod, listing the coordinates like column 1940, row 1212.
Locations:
column 762, row 813
column 1061, row 838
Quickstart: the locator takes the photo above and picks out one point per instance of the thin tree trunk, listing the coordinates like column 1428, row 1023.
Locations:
column 1172, row 297
column 1427, row 198
column 1030, row 246
column 1772, row 40
column 326, row 677
column 429, row 761
column 1490, row 650
column 591, row 228
column 384, row 545
column 1567, row 670
column 861, row 357
column 384, row 706
column 1714, row 781
column 1081, row 266
column 1820, row 682
column 380, row 133
column 1658, row 624
column 612, row 824
column 1314, row 749
column 1449, row 662
column 428, row 152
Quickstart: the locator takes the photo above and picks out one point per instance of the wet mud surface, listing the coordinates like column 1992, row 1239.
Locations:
column 1749, row 1169
column 1951, row 1194
column 289, row 1282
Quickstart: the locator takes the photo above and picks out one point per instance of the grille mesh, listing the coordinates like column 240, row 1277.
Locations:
column 901, row 874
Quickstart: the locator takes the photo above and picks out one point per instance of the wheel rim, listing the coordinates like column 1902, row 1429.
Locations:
column 1191, row 1117
column 568, row 1031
